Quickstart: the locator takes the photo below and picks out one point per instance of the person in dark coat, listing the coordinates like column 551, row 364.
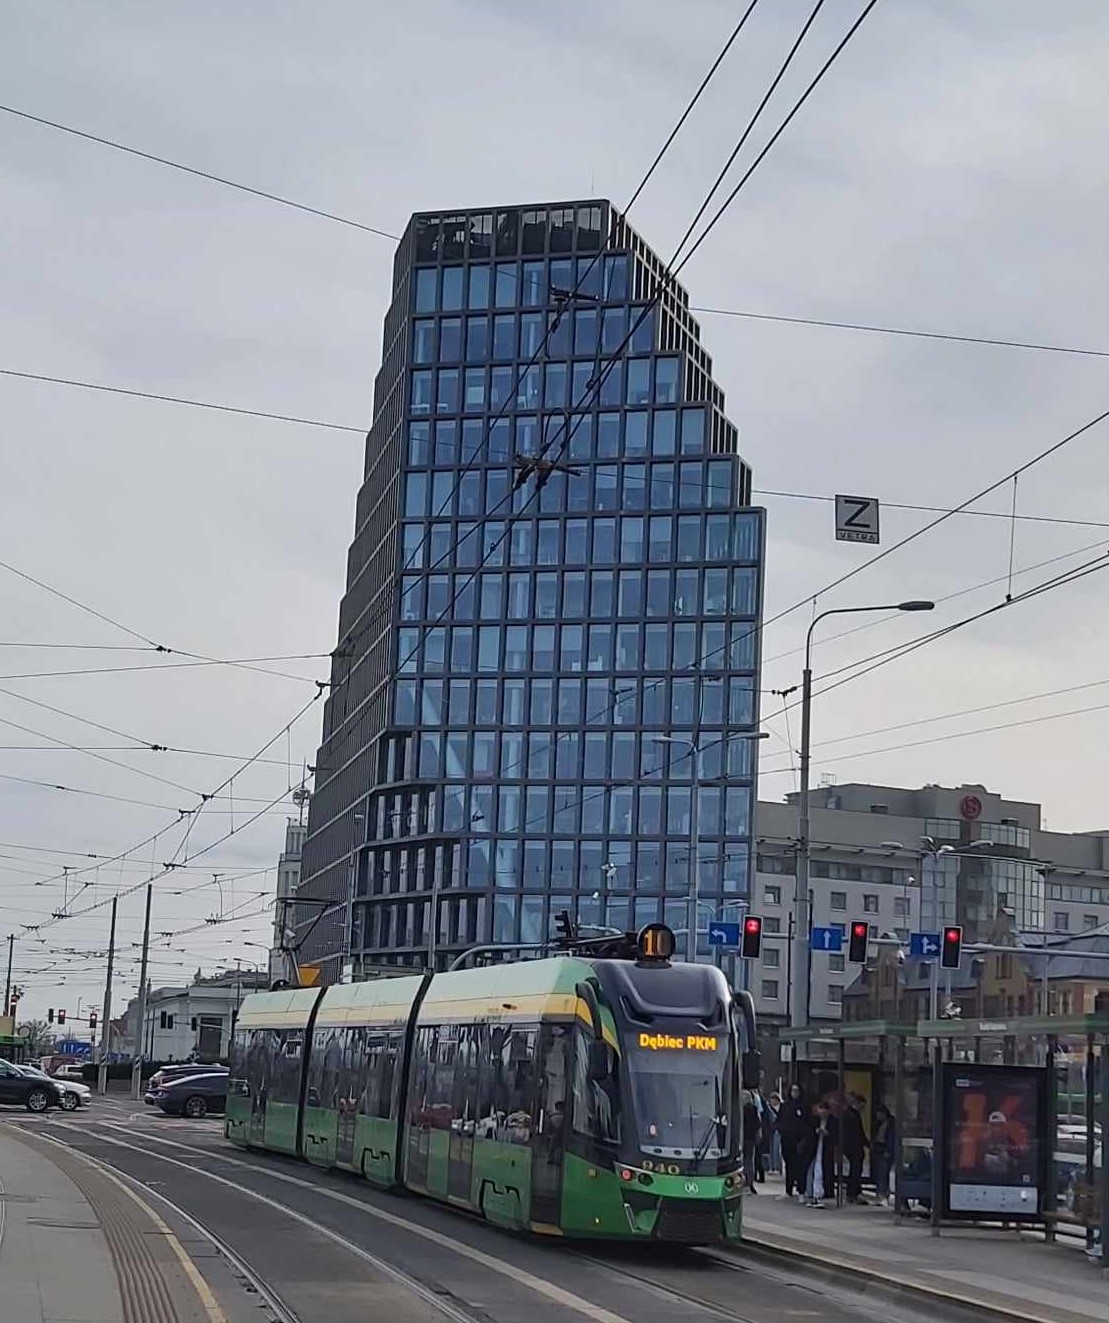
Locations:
column 751, row 1139
column 855, row 1145
column 882, row 1150
column 794, row 1123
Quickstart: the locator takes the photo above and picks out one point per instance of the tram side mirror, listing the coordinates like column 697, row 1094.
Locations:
column 752, row 1068
column 600, row 1061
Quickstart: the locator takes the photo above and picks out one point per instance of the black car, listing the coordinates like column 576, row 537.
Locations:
column 193, row 1095
column 167, row 1074
column 37, row 1095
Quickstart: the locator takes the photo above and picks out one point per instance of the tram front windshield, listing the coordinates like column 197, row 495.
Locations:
column 682, row 1087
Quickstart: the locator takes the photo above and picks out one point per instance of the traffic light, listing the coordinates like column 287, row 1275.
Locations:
column 952, row 948
column 752, row 937
column 50, row 1016
column 92, row 1021
column 61, row 1017
column 856, row 943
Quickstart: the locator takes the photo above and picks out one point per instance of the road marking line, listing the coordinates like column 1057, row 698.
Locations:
column 597, row 1313
column 200, row 1286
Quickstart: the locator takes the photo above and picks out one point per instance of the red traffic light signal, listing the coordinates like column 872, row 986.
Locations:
column 92, row 1019
column 952, row 948
column 751, row 944
column 61, row 1017
column 856, row 942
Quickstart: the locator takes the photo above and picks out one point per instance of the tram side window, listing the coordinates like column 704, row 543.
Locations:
column 594, row 1104
column 324, row 1068
column 505, row 1086
column 285, row 1080
column 418, row 1074
column 439, row 1101
column 467, row 1069
column 552, row 1082
column 259, row 1052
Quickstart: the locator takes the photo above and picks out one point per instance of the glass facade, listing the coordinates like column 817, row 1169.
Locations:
column 492, row 747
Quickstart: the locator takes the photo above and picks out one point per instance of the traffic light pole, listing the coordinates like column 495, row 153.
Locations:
column 105, row 1028
column 8, row 980
column 136, row 1067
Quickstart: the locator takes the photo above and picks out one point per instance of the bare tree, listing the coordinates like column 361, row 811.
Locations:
column 38, row 1036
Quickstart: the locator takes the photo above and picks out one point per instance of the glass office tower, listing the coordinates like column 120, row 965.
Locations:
column 527, row 651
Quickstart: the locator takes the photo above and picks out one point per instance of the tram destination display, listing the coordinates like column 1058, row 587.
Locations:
column 994, row 1156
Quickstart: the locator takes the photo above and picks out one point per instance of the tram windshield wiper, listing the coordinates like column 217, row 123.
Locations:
column 716, row 1122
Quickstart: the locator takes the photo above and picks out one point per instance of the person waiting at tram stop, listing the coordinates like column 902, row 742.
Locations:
column 855, row 1145
column 817, row 1153
column 752, row 1138
column 882, row 1149
column 793, row 1123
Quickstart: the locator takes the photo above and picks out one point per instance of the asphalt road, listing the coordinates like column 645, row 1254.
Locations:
column 331, row 1248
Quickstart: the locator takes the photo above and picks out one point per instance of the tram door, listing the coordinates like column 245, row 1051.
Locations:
column 460, row 1166
column 261, row 1052
column 551, row 1121
column 346, row 1092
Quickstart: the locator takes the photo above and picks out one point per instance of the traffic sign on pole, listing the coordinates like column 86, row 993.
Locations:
column 723, row 934
column 924, row 946
column 857, row 519
column 826, row 939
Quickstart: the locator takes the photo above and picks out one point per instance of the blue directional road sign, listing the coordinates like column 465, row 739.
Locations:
column 723, row 934
column 925, row 946
column 826, row 939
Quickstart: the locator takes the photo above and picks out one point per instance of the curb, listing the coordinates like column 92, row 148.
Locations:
column 841, row 1273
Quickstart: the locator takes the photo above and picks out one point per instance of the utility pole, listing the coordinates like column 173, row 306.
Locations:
column 8, row 980
column 799, row 998
column 105, row 1029
column 136, row 1067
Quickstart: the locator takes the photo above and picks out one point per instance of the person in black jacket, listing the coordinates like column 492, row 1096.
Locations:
column 751, row 1139
column 855, row 1144
column 793, row 1124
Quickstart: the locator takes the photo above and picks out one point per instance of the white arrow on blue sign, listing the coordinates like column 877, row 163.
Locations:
column 723, row 934
column 924, row 945
column 826, row 939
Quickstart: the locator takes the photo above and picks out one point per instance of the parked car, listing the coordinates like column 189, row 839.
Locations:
column 74, row 1093
column 70, row 1070
column 193, row 1095
column 177, row 1072
column 37, row 1095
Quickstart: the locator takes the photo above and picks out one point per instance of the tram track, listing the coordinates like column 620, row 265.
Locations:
column 478, row 1274
column 280, row 1310
column 434, row 1294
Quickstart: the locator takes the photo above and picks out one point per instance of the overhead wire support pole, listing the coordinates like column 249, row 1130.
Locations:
column 105, row 1027
column 136, row 1067
column 8, row 980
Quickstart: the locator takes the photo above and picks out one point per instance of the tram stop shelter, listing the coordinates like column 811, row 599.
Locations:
column 879, row 1060
column 1049, row 1075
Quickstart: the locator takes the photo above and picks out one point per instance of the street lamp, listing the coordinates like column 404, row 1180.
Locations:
column 695, row 841
column 799, row 1002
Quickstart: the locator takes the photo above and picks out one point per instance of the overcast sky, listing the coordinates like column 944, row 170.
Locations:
column 945, row 176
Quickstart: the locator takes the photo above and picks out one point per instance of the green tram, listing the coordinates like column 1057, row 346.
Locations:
column 574, row 1096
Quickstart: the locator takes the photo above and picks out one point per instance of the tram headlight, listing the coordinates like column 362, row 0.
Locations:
column 645, row 1178
column 626, row 1174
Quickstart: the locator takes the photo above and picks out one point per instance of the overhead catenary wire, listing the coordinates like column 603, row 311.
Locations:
column 940, row 717
column 949, row 735
column 200, row 174
column 905, row 331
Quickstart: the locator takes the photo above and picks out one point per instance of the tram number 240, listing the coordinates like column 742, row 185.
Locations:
column 664, row 1168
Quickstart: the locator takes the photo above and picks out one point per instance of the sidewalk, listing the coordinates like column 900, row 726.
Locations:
column 76, row 1247
column 1017, row 1273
